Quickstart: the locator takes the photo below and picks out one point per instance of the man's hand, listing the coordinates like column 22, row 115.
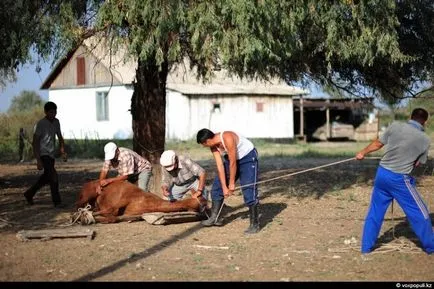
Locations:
column 98, row 190
column 360, row 156
column 166, row 193
column 227, row 192
column 196, row 194
column 104, row 182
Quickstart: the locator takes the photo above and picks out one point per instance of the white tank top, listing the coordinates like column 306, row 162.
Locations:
column 244, row 146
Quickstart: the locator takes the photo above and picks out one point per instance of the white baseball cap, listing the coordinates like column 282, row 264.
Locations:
column 110, row 150
column 167, row 160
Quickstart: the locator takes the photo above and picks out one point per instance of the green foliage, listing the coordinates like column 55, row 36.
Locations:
column 385, row 45
column 10, row 124
column 25, row 101
column 91, row 148
column 41, row 26
column 428, row 104
column 403, row 113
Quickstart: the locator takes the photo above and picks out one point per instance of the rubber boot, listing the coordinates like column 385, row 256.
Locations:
column 214, row 219
column 254, row 220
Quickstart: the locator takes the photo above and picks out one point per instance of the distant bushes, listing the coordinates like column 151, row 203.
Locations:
column 10, row 124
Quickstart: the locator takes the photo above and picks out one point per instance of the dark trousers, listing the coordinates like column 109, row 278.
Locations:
column 247, row 173
column 48, row 177
column 21, row 151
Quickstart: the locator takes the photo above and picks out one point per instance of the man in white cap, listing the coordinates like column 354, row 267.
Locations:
column 129, row 165
column 179, row 175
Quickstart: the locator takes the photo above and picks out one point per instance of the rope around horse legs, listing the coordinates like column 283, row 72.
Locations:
column 83, row 216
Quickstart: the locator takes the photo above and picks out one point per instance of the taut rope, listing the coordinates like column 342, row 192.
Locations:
column 287, row 175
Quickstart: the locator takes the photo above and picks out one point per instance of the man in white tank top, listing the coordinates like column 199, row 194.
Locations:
column 240, row 161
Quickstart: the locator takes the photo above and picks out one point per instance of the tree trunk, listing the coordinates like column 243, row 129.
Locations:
column 148, row 109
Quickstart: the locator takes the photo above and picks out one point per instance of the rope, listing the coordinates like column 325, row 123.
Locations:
column 296, row 173
column 400, row 245
column 200, row 207
column 83, row 216
column 287, row 175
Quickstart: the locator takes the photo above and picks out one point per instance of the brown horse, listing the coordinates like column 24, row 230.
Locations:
column 125, row 199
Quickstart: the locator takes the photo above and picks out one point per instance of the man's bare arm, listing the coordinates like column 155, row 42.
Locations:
column 230, row 141
column 372, row 147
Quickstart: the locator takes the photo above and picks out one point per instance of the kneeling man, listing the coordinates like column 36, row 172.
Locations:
column 180, row 174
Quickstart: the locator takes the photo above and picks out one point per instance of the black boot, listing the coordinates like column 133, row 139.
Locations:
column 254, row 220
column 214, row 219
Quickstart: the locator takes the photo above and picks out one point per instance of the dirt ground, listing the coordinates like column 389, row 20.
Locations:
column 311, row 226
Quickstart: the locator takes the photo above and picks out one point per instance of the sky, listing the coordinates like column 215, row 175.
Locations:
column 27, row 79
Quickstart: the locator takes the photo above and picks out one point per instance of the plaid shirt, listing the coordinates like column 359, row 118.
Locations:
column 187, row 172
column 129, row 162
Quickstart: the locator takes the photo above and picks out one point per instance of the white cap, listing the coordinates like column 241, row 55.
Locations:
column 167, row 160
column 110, row 151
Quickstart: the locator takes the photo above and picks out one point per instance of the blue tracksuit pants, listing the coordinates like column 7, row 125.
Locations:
column 247, row 173
column 388, row 186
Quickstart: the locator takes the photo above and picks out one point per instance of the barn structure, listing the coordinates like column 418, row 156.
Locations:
column 339, row 118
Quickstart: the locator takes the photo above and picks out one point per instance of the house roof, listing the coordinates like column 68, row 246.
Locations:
column 180, row 78
column 334, row 103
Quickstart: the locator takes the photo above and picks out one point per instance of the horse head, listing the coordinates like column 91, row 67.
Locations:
column 88, row 194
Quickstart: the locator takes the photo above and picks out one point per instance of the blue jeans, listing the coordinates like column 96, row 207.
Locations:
column 143, row 181
column 178, row 192
column 247, row 173
column 388, row 186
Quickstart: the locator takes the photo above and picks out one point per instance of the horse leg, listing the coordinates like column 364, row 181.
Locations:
column 106, row 219
column 107, row 215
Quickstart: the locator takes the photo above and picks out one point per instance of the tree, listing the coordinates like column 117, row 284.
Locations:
column 384, row 45
column 25, row 101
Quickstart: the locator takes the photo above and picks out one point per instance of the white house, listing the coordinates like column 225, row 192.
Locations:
column 93, row 87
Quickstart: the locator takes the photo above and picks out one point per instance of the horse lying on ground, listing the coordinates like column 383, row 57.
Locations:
column 123, row 199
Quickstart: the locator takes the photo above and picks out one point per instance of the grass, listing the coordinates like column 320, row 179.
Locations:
column 94, row 149
column 272, row 149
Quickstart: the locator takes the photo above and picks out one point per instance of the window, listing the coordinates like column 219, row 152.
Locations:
column 81, row 75
column 216, row 107
column 102, row 109
column 259, row 107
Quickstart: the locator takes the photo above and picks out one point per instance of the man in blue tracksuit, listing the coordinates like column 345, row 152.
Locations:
column 406, row 147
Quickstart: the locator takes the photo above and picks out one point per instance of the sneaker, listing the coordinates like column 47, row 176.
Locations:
column 29, row 200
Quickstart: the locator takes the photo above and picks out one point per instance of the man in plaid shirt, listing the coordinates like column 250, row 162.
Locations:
column 179, row 175
column 128, row 163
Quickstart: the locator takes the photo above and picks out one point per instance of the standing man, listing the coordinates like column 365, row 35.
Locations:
column 180, row 174
column 240, row 161
column 43, row 149
column 406, row 147
column 129, row 165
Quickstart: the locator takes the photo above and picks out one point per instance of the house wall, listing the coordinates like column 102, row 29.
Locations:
column 76, row 111
column 187, row 115
column 178, row 116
